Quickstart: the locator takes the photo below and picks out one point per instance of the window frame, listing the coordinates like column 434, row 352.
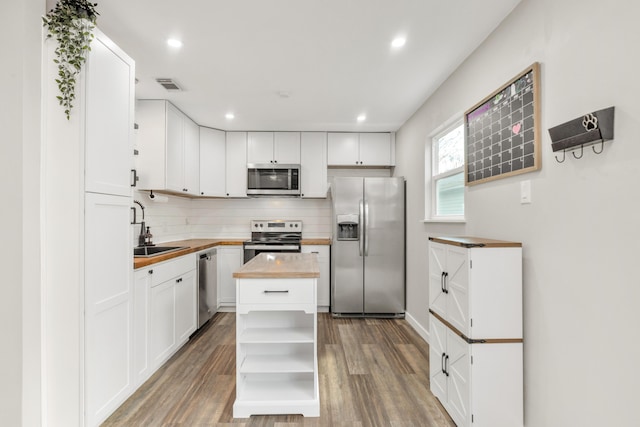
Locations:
column 450, row 125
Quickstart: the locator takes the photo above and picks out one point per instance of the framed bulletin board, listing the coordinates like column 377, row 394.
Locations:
column 502, row 132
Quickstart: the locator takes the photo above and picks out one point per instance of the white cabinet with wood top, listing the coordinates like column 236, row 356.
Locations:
column 273, row 147
column 324, row 280
column 169, row 148
column 475, row 329
column 360, row 149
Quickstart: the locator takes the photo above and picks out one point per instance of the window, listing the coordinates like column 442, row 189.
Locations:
column 447, row 173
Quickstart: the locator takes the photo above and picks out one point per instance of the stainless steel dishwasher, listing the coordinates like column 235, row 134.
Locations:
column 207, row 286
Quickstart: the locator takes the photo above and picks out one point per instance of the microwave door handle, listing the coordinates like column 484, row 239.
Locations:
column 360, row 235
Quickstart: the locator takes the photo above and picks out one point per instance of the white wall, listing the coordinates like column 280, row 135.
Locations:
column 19, row 228
column 579, row 235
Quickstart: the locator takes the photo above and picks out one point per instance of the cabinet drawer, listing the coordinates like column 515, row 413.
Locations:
column 281, row 291
column 172, row 268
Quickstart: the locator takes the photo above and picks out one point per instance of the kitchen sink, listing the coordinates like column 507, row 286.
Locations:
column 147, row 251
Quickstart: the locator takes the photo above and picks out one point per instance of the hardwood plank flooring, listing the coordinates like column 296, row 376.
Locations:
column 372, row 372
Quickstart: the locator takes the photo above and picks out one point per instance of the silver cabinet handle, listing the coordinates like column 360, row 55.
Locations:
column 276, row 292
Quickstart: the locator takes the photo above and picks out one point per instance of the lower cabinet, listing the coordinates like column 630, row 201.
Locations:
column 165, row 312
column 230, row 259
column 324, row 281
column 478, row 383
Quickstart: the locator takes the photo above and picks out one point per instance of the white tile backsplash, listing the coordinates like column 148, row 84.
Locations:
column 183, row 218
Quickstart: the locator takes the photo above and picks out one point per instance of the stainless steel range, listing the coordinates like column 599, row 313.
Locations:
column 273, row 236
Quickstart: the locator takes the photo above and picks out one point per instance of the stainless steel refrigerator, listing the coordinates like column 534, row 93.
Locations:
column 368, row 248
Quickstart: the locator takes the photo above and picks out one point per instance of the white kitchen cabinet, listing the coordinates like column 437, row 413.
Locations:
column 476, row 286
column 273, row 147
column 108, row 304
column 236, row 164
column 360, row 149
column 186, row 294
column 141, row 290
column 276, row 347
column 212, row 163
column 475, row 332
column 480, row 383
column 324, row 280
column 313, row 164
column 172, row 310
column 168, row 145
column 230, row 259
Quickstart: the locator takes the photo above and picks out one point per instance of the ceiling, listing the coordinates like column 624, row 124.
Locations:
column 298, row 64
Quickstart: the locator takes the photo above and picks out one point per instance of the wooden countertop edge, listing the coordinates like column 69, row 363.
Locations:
column 280, row 266
column 197, row 245
column 475, row 242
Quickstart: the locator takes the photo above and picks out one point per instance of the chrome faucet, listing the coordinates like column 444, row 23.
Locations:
column 142, row 236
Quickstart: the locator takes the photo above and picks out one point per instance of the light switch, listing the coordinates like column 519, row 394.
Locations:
column 525, row 192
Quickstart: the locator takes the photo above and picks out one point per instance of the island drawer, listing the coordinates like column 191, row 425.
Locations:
column 280, row 291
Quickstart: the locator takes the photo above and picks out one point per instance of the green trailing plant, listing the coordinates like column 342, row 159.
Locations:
column 72, row 23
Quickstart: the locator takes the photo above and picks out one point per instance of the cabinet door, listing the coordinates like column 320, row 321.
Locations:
column 437, row 266
column 342, row 149
column 458, row 366
column 141, row 285
column 108, row 303
column 375, row 149
column 324, row 280
column 457, row 285
column 161, row 322
column 175, row 149
column 437, row 354
column 191, row 157
column 229, row 260
column 313, row 164
column 186, row 314
column 212, row 162
column 109, row 120
column 286, row 147
column 260, row 147
column 236, row 173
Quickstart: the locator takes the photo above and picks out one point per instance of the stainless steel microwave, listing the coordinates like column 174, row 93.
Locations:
column 273, row 179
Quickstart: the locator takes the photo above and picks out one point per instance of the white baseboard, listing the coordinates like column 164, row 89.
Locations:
column 417, row 327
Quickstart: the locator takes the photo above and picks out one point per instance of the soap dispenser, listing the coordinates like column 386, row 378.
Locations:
column 148, row 238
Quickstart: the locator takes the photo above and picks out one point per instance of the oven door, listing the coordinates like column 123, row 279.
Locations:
column 253, row 249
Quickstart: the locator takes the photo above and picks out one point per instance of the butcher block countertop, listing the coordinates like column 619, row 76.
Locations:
column 197, row 245
column 280, row 266
column 475, row 242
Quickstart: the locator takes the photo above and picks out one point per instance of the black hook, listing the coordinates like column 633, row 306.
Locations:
column 581, row 152
column 564, row 154
column 593, row 147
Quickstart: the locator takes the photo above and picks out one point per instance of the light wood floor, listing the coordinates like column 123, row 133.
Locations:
column 372, row 372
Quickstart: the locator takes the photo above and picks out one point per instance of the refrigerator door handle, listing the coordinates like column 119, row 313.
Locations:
column 360, row 234
column 366, row 228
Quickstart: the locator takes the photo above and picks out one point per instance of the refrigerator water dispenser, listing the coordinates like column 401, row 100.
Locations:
column 348, row 226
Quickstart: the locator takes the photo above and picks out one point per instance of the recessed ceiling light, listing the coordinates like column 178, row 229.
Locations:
column 362, row 118
column 398, row 42
column 174, row 43
column 229, row 116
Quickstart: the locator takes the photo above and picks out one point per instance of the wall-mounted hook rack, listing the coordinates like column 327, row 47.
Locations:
column 590, row 129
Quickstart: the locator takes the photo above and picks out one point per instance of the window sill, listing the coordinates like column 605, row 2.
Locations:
column 457, row 220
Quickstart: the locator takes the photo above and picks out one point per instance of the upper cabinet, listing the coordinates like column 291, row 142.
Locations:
column 236, row 161
column 313, row 164
column 212, row 162
column 168, row 143
column 361, row 149
column 273, row 147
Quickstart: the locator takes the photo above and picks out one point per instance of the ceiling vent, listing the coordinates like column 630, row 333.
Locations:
column 169, row 84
